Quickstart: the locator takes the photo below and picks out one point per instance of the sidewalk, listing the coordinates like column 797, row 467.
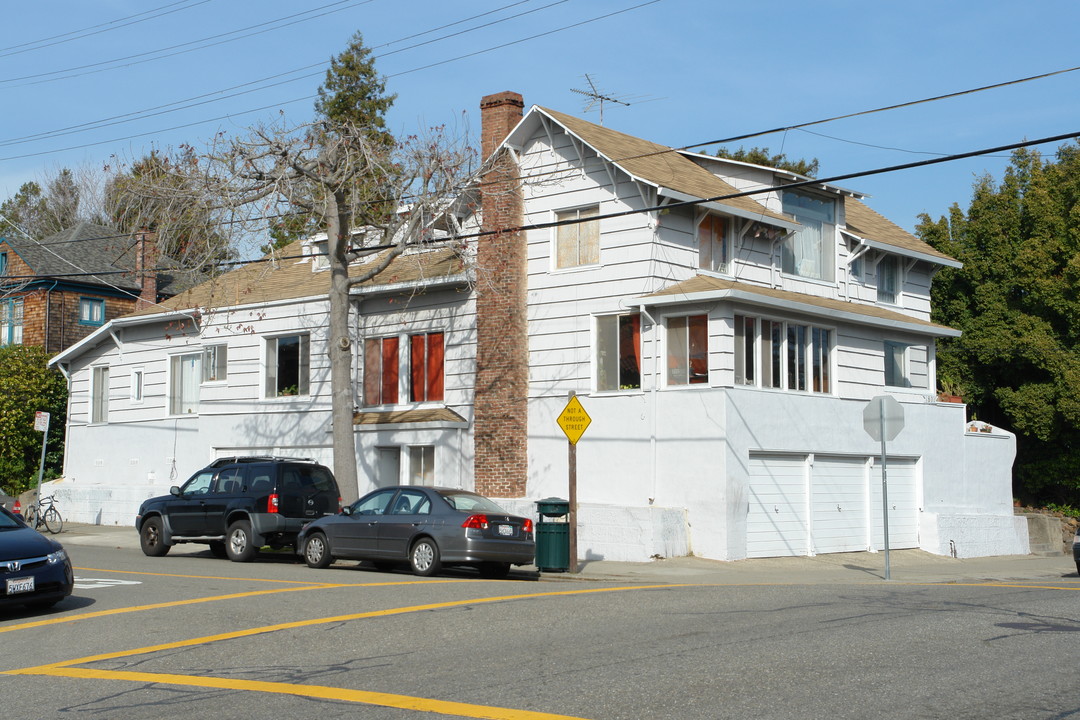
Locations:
column 907, row 566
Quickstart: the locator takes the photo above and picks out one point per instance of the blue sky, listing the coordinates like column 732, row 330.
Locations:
column 692, row 70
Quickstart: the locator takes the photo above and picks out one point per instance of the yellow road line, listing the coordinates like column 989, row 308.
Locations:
column 403, row 702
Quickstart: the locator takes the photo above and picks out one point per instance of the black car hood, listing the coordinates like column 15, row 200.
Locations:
column 19, row 543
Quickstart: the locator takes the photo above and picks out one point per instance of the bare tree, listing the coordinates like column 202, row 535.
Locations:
column 370, row 197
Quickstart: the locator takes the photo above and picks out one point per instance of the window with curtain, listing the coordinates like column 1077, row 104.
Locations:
column 381, row 371
column 422, row 465
column 577, row 243
column 215, row 363
column 618, row 347
column 888, row 279
column 712, row 237
column 99, row 395
column 11, row 321
column 426, row 367
column 776, row 354
column 896, row 365
column 809, row 251
column 184, row 378
column 287, row 366
column 91, row 311
column 688, row 350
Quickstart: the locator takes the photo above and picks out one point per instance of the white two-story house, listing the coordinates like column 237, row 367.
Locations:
column 723, row 324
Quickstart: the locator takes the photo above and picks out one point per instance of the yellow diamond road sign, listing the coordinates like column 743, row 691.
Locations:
column 574, row 420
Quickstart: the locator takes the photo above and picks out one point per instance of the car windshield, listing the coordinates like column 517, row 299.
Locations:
column 8, row 522
column 469, row 502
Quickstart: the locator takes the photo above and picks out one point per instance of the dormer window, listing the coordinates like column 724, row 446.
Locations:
column 809, row 251
column 888, row 280
column 712, row 238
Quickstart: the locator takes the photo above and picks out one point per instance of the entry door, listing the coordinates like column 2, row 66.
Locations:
column 839, row 504
column 776, row 521
column 903, row 505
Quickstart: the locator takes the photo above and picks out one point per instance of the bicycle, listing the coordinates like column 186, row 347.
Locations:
column 44, row 512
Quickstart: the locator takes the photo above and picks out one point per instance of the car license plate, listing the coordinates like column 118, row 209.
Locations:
column 20, row 585
column 506, row 529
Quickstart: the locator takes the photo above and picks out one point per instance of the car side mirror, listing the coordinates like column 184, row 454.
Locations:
column 175, row 490
column 347, row 510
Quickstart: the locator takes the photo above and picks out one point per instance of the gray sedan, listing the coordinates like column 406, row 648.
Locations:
column 425, row 527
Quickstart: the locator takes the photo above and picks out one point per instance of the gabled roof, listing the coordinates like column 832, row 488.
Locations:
column 91, row 248
column 661, row 166
column 865, row 224
column 291, row 278
column 703, row 288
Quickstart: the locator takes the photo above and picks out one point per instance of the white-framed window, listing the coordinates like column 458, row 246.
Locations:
column 138, row 377
column 783, row 355
column 91, row 311
column 288, row 367
column 688, row 350
column 618, row 352
column 713, row 244
column 810, row 251
column 888, row 279
column 577, row 242
column 11, row 321
column 896, row 365
column 185, row 376
column 215, row 363
column 99, row 394
column 422, row 465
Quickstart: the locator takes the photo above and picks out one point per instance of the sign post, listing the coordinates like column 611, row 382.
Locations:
column 883, row 419
column 41, row 424
column 573, row 420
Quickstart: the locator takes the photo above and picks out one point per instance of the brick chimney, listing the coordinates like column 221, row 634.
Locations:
column 502, row 353
column 146, row 257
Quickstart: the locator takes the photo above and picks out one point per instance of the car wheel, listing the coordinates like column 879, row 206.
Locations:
column 238, row 543
column 317, row 551
column 494, row 569
column 152, row 539
column 424, row 557
column 217, row 549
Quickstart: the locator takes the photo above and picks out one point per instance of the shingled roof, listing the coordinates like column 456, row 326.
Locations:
column 86, row 248
column 863, row 222
column 703, row 285
column 292, row 277
column 660, row 165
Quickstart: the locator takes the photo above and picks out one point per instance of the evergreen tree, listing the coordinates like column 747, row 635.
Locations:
column 763, row 156
column 27, row 385
column 1016, row 300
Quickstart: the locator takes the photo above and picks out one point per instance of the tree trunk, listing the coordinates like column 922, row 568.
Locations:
column 340, row 349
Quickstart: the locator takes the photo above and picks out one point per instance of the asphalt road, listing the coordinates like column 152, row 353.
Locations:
column 189, row 636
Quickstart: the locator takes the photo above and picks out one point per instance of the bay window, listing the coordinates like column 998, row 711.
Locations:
column 688, row 350
column 777, row 354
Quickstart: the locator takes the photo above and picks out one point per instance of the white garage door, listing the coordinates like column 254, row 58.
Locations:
column 838, row 504
column 903, row 507
column 776, row 521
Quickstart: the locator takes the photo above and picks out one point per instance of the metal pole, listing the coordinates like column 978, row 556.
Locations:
column 884, row 487
column 572, row 461
column 41, row 466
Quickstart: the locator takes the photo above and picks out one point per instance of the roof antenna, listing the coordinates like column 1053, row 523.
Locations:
column 597, row 97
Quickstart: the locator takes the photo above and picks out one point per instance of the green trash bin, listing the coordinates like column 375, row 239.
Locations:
column 553, row 535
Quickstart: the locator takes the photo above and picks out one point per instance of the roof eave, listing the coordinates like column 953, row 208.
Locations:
column 106, row 331
column 906, row 252
column 718, row 206
column 790, row 306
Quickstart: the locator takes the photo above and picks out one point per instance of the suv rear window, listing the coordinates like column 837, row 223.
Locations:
column 317, row 478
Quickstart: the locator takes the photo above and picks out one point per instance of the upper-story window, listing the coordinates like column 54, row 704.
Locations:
column 426, row 367
column 785, row 355
column 3, row 263
column 11, row 321
column 712, row 237
column 287, row 366
column 578, row 241
column 99, row 394
column 215, row 363
column 809, row 251
column 91, row 311
column 888, row 280
column 381, row 371
column 688, row 350
column 618, row 352
column 185, row 374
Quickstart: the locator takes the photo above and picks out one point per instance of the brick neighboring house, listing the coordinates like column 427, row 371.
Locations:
column 55, row 292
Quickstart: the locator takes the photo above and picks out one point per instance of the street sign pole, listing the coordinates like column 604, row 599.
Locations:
column 884, row 489
column 573, row 420
column 41, row 422
column 572, row 462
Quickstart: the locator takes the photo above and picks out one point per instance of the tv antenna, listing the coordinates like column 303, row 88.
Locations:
column 597, row 97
